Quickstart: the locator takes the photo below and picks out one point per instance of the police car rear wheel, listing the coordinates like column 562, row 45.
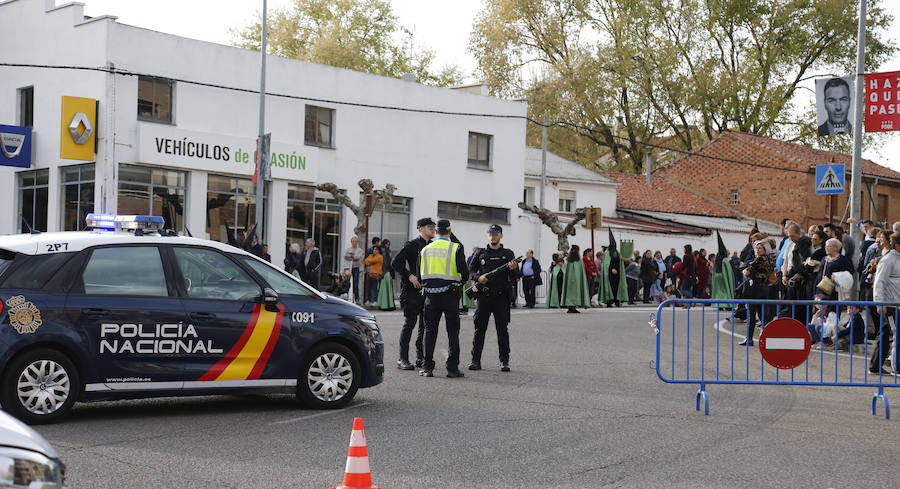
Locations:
column 40, row 386
column 330, row 378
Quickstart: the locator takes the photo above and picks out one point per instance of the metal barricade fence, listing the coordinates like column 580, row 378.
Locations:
column 697, row 342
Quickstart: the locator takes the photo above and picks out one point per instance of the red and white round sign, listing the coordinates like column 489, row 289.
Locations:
column 785, row 343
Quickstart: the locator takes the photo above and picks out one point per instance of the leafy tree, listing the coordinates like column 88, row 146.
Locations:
column 626, row 71
column 360, row 35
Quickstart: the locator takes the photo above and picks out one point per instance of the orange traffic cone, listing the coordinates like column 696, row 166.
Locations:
column 356, row 474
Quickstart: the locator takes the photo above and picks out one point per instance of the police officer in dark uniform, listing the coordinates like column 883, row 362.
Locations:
column 493, row 296
column 442, row 270
column 405, row 265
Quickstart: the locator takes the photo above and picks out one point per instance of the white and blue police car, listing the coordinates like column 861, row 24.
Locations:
column 129, row 310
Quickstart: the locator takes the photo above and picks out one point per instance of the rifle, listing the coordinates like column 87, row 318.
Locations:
column 471, row 293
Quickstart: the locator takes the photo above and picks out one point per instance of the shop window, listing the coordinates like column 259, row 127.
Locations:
column 231, row 208
column 566, row 201
column 155, row 99
column 319, row 126
column 26, row 106
column 33, row 191
column 153, row 191
column 315, row 214
column 391, row 222
column 479, row 150
column 78, row 195
column 469, row 212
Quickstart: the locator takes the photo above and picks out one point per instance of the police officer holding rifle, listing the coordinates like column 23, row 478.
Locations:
column 493, row 266
column 442, row 270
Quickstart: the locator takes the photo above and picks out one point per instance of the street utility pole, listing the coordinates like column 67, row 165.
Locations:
column 856, row 176
column 260, row 163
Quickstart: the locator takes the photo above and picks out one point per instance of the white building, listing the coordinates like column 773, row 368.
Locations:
column 175, row 127
column 569, row 186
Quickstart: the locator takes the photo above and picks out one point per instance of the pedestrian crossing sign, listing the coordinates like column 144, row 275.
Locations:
column 830, row 179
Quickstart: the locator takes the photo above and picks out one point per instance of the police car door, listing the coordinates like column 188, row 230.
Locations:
column 224, row 305
column 132, row 319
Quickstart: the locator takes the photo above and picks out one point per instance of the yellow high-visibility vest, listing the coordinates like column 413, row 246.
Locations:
column 438, row 260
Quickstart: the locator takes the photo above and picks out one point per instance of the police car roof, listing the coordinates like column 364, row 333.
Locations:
column 43, row 243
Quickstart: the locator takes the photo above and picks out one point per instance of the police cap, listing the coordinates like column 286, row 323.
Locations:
column 425, row 221
column 495, row 228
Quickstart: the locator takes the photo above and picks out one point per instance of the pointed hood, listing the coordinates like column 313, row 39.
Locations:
column 755, row 229
column 721, row 255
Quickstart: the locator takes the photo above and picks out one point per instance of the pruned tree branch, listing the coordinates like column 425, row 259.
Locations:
column 383, row 196
column 551, row 220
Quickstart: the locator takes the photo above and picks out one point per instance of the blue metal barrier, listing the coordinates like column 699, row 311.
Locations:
column 686, row 354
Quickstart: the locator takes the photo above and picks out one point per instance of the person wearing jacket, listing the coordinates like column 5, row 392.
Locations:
column 759, row 274
column 649, row 274
column 794, row 276
column 886, row 288
column 310, row 263
column 292, row 260
column 374, row 263
column 530, row 272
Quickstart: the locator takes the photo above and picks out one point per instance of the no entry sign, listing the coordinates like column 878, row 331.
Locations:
column 784, row 343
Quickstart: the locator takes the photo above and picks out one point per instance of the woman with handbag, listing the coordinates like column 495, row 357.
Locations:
column 834, row 262
column 760, row 277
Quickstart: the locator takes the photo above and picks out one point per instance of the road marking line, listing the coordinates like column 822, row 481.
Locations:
column 326, row 413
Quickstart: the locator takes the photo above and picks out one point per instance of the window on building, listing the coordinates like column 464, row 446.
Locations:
column 468, row 212
column 882, row 207
column 315, row 214
column 78, row 195
column 566, row 201
column 528, row 196
column 153, row 191
column 319, row 126
column 391, row 222
column 735, row 197
column 155, row 99
column 33, row 191
column 231, row 208
column 26, row 106
column 479, row 150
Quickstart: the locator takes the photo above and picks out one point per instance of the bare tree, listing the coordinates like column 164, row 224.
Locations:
column 384, row 196
column 551, row 220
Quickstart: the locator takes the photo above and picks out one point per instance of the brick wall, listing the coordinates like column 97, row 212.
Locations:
column 787, row 190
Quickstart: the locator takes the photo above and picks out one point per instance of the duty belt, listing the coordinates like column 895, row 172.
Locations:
column 438, row 290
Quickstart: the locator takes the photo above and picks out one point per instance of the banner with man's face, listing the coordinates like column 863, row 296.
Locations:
column 834, row 105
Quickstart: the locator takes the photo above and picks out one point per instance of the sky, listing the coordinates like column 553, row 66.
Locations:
column 442, row 26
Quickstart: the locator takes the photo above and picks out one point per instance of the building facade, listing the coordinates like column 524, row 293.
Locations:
column 173, row 124
column 771, row 179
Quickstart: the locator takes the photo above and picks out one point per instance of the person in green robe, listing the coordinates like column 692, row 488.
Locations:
column 386, row 293
column 601, row 283
column 722, row 286
column 614, row 289
column 554, row 285
column 575, row 292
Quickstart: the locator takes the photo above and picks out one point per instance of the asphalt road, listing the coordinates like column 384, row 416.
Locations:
column 580, row 409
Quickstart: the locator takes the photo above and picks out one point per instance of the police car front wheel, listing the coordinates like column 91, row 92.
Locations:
column 331, row 376
column 39, row 386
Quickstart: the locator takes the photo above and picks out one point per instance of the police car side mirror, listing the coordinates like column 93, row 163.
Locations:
column 270, row 297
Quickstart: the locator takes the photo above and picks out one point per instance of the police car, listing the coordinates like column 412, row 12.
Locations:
column 128, row 310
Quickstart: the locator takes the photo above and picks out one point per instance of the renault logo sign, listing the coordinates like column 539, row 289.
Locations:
column 78, row 128
column 77, row 135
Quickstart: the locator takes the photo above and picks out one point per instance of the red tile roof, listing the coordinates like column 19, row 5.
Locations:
column 662, row 196
column 733, row 144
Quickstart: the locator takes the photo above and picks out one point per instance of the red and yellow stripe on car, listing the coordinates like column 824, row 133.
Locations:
column 248, row 357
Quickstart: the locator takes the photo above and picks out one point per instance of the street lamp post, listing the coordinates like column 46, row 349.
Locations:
column 260, row 163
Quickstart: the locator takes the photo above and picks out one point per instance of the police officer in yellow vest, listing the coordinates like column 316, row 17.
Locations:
column 442, row 270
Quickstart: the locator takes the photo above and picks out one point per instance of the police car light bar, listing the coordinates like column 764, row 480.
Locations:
column 110, row 222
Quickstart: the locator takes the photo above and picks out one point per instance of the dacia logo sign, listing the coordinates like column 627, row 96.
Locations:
column 78, row 138
column 15, row 146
